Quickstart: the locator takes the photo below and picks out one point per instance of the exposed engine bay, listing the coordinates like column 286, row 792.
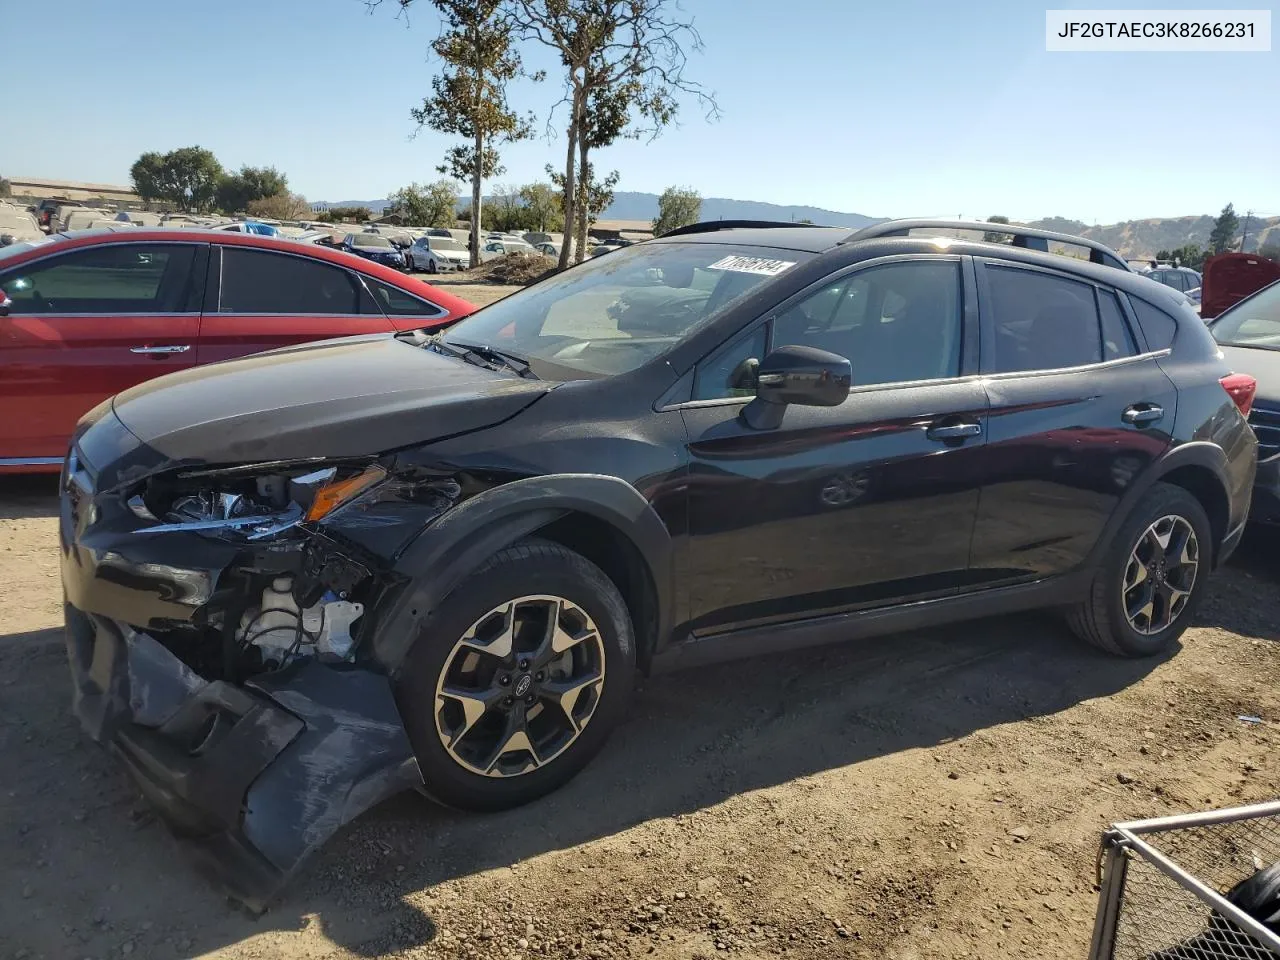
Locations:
column 288, row 597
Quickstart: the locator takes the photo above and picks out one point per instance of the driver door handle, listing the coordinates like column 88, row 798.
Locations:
column 954, row 431
column 162, row 351
column 1140, row 414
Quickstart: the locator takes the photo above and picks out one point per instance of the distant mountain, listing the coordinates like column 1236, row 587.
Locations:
column 377, row 206
column 1145, row 238
column 644, row 206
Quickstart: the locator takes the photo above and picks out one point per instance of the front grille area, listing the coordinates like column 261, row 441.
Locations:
column 1265, row 421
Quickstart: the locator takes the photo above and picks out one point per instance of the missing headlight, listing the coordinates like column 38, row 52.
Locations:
column 244, row 502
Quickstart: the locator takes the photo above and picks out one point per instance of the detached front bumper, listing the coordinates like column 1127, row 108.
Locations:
column 253, row 778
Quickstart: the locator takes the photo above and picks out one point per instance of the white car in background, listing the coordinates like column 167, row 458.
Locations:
column 493, row 249
column 436, row 255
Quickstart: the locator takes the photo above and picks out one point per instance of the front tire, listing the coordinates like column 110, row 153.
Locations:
column 517, row 678
column 431, row 267
column 1151, row 579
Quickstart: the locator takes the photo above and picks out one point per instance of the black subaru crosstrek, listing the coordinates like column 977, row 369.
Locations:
column 299, row 581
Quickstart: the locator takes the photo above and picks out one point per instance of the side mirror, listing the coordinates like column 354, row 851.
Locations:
column 5, row 304
column 805, row 376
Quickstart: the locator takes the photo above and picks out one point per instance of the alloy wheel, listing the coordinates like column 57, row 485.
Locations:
column 519, row 686
column 1160, row 574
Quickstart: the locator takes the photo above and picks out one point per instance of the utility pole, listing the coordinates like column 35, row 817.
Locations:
column 1245, row 236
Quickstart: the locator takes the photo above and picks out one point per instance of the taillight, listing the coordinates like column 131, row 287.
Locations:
column 1241, row 388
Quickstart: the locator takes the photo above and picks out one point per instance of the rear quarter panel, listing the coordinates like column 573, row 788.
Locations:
column 1206, row 413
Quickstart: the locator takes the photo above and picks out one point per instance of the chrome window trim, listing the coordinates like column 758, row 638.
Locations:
column 1103, row 365
column 30, row 461
column 115, row 313
column 854, row 391
column 939, row 381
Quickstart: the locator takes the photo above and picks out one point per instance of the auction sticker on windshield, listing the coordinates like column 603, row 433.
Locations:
column 766, row 268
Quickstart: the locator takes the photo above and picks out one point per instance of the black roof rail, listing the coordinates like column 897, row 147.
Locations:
column 710, row 226
column 1098, row 252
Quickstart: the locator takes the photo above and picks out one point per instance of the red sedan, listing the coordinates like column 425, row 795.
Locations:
column 89, row 314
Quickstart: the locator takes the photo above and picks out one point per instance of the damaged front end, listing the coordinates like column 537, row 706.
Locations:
column 215, row 627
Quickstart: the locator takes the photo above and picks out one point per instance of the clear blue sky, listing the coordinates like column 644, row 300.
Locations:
column 889, row 109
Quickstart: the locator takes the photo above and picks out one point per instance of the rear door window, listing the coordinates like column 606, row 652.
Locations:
column 1157, row 326
column 395, row 302
column 263, row 282
column 1117, row 339
column 110, row 279
column 1041, row 321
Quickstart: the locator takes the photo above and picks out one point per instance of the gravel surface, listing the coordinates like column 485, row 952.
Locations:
column 932, row 795
column 475, row 290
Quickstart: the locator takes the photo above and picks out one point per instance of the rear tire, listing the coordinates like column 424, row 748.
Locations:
column 1151, row 578
column 494, row 636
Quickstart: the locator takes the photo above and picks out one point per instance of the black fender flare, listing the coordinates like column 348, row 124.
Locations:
column 452, row 547
column 1195, row 453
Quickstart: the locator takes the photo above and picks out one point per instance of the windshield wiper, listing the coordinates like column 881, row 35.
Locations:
column 485, row 356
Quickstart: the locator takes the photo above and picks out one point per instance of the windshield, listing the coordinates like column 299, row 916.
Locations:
column 612, row 314
column 440, row 243
column 1252, row 323
column 370, row 240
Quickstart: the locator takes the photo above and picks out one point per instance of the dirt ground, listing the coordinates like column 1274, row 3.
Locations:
column 481, row 294
column 933, row 795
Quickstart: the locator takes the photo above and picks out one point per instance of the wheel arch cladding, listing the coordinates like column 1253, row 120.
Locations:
column 1205, row 485
column 1199, row 468
column 604, row 518
column 622, row 562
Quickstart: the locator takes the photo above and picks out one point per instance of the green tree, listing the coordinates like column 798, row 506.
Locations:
column 6, row 188
column 623, row 59
column 594, row 196
column 469, row 95
column 432, row 205
column 147, row 176
column 806, row 220
column 677, row 207
column 507, row 210
column 237, row 190
column 994, row 236
column 187, row 177
column 341, row 214
column 1224, row 230
column 543, row 204
column 279, row 206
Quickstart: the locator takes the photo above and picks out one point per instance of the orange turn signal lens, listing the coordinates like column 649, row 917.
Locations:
column 333, row 495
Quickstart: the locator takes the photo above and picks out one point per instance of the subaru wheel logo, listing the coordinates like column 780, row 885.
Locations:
column 523, row 685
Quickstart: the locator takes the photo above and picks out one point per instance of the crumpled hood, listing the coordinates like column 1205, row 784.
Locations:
column 349, row 397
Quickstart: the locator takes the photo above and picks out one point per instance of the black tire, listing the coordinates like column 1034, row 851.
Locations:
column 410, row 265
column 1101, row 618
column 531, row 567
column 431, row 266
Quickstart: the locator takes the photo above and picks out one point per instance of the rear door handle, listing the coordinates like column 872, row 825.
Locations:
column 1141, row 414
column 954, row 431
column 161, row 351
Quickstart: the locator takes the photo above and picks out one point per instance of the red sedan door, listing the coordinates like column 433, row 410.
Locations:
column 84, row 325
column 261, row 299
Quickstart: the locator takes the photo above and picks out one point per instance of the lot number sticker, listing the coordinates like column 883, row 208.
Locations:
column 766, row 268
